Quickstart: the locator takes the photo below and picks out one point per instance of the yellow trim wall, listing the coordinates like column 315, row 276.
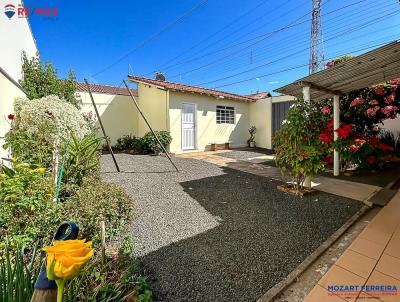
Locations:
column 154, row 103
column 207, row 130
column 117, row 112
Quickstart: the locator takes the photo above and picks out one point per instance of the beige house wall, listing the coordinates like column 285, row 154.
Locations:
column 260, row 117
column 8, row 92
column 207, row 129
column 118, row 114
column 154, row 103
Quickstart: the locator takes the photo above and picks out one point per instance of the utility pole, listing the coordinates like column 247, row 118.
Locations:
column 316, row 47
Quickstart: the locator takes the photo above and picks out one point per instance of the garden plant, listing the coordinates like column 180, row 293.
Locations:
column 49, row 134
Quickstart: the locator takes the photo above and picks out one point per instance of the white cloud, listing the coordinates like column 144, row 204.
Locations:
column 273, row 82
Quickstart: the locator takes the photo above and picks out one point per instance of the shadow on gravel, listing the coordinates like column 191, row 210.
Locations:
column 264, row 234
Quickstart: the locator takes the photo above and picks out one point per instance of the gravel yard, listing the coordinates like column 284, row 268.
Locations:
column 213, row 234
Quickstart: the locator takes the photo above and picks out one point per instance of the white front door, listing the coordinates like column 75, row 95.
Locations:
column 188, row 126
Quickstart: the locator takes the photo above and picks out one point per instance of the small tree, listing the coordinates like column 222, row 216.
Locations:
column 298, row 149
column 41, row 80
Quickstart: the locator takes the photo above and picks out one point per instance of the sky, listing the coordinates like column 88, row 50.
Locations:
column 232, row 45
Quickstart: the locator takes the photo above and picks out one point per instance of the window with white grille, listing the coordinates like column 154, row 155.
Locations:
column 225, row 115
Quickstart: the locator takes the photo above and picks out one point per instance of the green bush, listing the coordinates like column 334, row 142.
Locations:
column 150, row 144
column 128, row 142
column 41, row 80
column 95, row 201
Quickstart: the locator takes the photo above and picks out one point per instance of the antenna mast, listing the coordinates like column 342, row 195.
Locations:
column 317, row 48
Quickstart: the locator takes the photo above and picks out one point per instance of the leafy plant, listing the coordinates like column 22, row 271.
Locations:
column 18, row 273
column 15, row 180
column 115, row 280
column 128, row 142
column 96, row 201
column 150, row 144
column 81, row 158
column 298, row 149
column 41, row 80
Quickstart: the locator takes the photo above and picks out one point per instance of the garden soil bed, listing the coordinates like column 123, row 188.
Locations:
column 217, row 234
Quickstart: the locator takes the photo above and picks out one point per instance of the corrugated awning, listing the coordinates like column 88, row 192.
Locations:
column 373, row 67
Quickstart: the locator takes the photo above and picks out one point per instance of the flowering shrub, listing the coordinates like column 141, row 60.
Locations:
column 40, row 125
column 358, row 135
column 299, row 150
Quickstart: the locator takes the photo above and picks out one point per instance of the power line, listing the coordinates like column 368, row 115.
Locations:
column 229, row 46
column 353, row 29
column 295, row 41
column 209, row 37
column 264, row 37
column 293, row 68
column 155, row 35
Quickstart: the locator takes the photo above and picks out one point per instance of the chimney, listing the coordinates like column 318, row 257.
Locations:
column 160, row 76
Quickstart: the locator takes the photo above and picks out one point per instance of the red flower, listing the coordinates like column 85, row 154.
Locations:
column 326, row 137
column 354, row 148
column 357, row 102
column 395, row 82
column 360, row 141
column 330, row 125
column 344, row 131
column 385, row 147
column 371, row 159
column 375, row 129
column 11, row 116
column 389, row 99
column 380, row 90
column 373, row 102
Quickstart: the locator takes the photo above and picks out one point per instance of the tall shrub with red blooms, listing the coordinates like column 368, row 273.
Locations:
column 362, row 112
column 299, row 151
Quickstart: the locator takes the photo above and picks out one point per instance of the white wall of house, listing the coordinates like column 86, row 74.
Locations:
column 117, row 112
column 207, row 129
column 392, row 124
column 16, row 37
column 8, row 92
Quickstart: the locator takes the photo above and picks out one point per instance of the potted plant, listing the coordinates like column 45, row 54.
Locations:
column 250, row 141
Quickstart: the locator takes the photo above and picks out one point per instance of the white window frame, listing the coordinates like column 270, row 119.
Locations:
column 227, row 110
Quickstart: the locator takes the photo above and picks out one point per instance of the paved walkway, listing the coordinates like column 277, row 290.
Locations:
column 373, row 259
column 353, row 190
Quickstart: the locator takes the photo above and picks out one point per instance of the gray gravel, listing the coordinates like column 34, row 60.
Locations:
column 245, row 153
column 214, row 234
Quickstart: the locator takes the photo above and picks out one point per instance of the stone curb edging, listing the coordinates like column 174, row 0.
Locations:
column 277, row 289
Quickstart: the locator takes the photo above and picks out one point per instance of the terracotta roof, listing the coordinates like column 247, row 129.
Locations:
column 259, row 95
column 106, row 89
column 192, row 89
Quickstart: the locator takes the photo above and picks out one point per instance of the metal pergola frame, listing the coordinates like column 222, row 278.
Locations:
column 373, row 67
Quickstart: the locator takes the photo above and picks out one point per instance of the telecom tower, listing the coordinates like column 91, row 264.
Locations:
column 317, row 47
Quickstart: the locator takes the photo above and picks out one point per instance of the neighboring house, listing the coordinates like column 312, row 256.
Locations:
column 16, row 36
column 115, row 106
column 198, row 117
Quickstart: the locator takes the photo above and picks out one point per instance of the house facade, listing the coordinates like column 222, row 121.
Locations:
column 198, row 117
